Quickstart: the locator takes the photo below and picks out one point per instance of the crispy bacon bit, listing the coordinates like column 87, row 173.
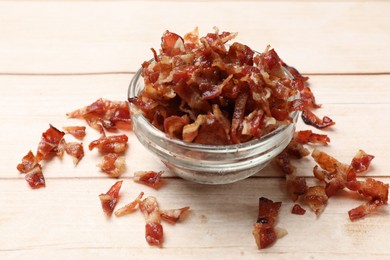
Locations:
column 110, row 144
column 298, row 210
column 49, row 141
column 296, row 150
column 77, row 131
column 361, row 161
column 192, row 76
column 311, row 119
column 113, row 164
column 364, row 209
column 173, row 215
column 110, row 199
column 327, row 162
column 75, row 150
column 149, row 178
column 307, row 136
column 264, row 230
column 129, row 207
column 316, row 199
column 374, row 190
column 296, row 186
column 153, row 228
column 28, row 163
column 35, row 177
column 105, row 114
column 284, row 162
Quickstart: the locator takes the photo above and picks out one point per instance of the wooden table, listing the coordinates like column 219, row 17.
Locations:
column 59, row 56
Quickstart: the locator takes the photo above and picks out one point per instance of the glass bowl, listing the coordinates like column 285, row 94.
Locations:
column 208, row 164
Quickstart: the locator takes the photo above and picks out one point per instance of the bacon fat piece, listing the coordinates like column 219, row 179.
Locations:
column 110, row 198
column 307, row 136
column 173, row 215
column 128, row 208
column 264, row 230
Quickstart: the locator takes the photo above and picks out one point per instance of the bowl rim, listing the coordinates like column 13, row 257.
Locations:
column 136, row 113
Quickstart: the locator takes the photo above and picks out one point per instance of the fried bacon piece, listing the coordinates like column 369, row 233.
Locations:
column 364, row 209
column 200, row 90
column 35, row 178
column 298, row 210
column 153, row 229
column 110, row 144
column 28, row 163
column 110, row 199
column 49, row 141
column 173, row 215
column 264, row 230
column 105, row 114
column 361, row 161
column 316, row 198
column 311, row 119
column 77, row 131
column 374, row 190
column 75, row 150
column 113, row 164
column 149, row 178
column 307, row 136
column 128, row 208
column 296, row 186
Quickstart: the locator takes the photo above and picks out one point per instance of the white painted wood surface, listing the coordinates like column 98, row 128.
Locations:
column 58, row 56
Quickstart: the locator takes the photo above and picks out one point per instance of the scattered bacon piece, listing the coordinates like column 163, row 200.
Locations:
column 28, row 163
column 311, row 119
column 361, row 161
column 105, row 114
column 129, row 207
column 110, row 199
column 149, row 178
column 316, row 199
column 173, row 215
column 284, row 162
column 153, row 228
column 110, row 144
column 307, row 136
column 35, row 177
column 364, row 209
column 296, row 149
column 75, row 150
column 113, row 164
column 296, row 186
column 298, row 210
column 77, row 131
column 49, row 141
column 264, row 230
column 374, row 190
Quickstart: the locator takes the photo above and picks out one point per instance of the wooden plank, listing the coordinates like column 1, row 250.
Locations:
column 220, row 222
column 34, row 102
column 54, row 37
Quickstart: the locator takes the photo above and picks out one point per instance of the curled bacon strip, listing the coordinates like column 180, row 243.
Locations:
column 110, row 144
column 149, row 178
column 364, row 209
column 264, row 230
column 77, row 131
column 113, row 164
column 110, row 198
column 311, row 119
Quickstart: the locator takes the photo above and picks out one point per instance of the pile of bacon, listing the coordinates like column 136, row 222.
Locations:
column 201, row 90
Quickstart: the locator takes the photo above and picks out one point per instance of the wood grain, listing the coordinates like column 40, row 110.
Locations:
column 56, row 56
column 117, row 36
